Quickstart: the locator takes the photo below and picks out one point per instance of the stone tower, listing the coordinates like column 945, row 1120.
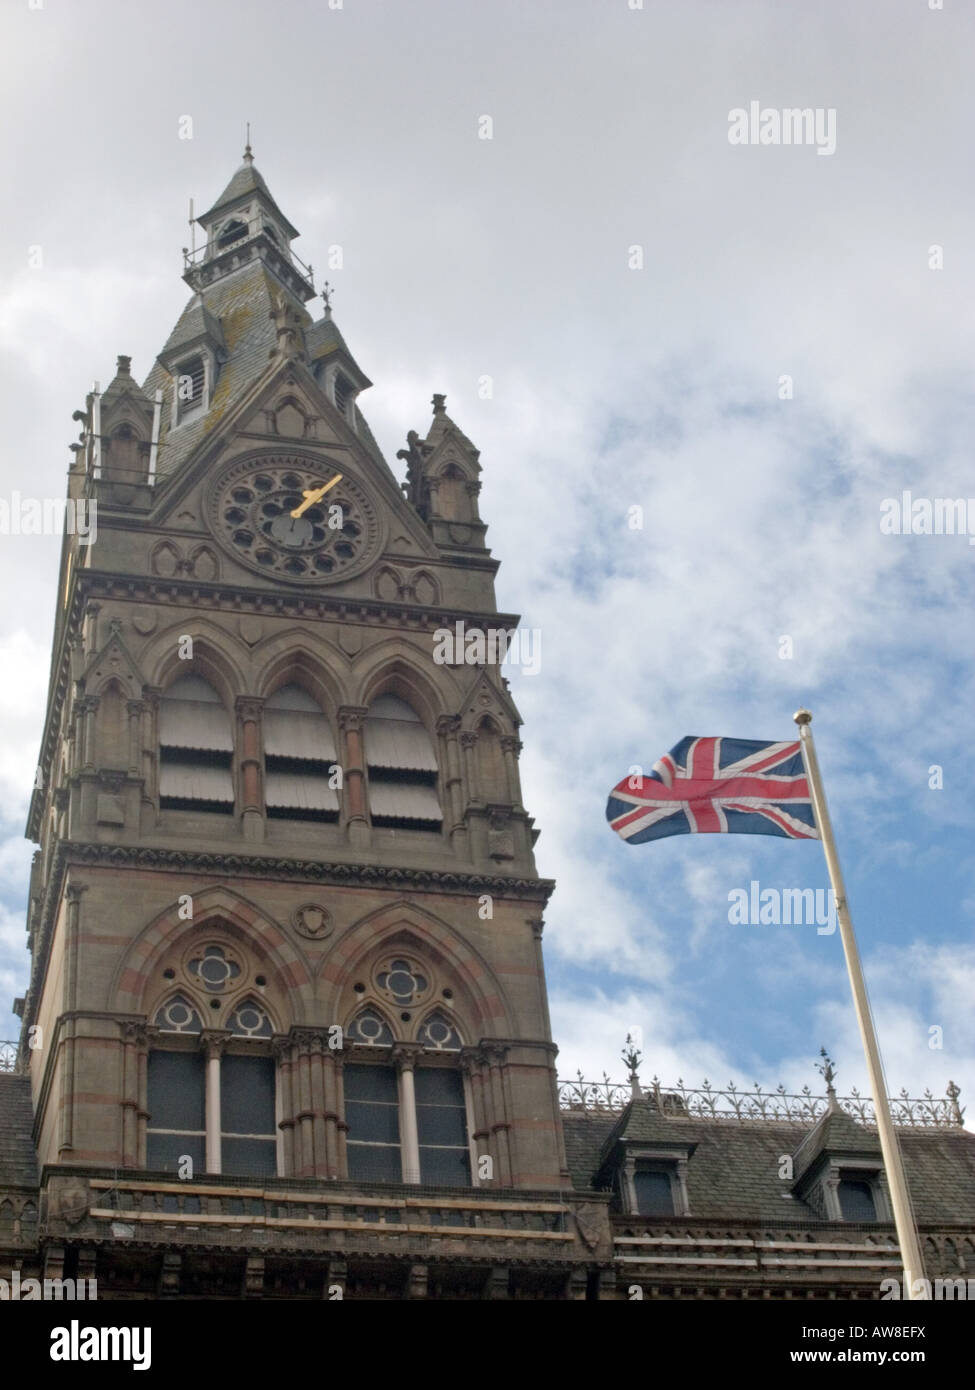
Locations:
column 285, row 917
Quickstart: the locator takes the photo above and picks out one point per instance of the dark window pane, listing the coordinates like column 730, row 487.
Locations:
column 378, row 1123
column 438, row 1086
column 176, row 1090
column 163, row 1151
column 856, row 1201
column 654, row 1195
column 445, row 1167
column 374, row 1162
column 247, row 1095
column 441, row 1124
column 371, row 1083
column 255, row 1158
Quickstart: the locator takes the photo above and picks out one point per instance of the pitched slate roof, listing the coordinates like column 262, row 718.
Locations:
column 18, row 1160
column 248, row 179
column 835, row 1133
column 733, row 1173
column 242, row 304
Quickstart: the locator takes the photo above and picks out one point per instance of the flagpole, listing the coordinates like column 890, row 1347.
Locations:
column 899, row 1196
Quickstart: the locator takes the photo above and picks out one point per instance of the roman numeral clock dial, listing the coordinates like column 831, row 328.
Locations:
column 300, row 519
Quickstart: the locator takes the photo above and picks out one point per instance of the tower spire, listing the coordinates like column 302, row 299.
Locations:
column 248, row 153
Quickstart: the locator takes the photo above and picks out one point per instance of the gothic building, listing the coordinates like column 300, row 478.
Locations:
column 286, row 1033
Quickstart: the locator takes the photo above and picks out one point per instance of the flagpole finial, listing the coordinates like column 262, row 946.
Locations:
column 802, row 716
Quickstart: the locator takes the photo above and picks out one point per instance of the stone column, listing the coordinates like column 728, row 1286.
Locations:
column 86, row 707
column 405, row 1056
column 249, row 715
column 136, row 710
column 494, row 1055
column 142, row 1114
column 333, row 1116
column 511, row 747
column 351, row 720
column 69, row 1004
column 213, row 1041
column 152, row 694
column 281, row 1049
column 133, row 1046
column 468, row 743
column 476, row 1120
column 448, row 730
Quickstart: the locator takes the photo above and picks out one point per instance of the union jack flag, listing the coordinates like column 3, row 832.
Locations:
column 726, row 786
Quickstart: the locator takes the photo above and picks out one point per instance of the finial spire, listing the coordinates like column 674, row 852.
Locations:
column 828, row 1072
column 248, row 154
column 327, row 299
column 632, row 1059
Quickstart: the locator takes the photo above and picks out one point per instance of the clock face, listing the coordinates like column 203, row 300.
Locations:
column 252, row 506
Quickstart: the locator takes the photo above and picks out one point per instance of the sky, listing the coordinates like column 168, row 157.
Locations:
column 756, row 344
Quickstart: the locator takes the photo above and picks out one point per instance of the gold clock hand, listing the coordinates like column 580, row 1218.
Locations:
column 315, row 495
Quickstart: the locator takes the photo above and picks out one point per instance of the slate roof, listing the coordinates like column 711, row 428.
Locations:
column 733, row 1172
column 242, row 303
column 18, row 1160
column 836, row 1133
column 195, row 322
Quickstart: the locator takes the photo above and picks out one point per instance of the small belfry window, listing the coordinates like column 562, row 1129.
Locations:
column 343, row 395
column 233, row 232
column 301, row 771
column 402, row 767
column 195, row 749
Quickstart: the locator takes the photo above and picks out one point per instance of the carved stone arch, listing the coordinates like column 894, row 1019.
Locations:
column 111, row 726
column 395, row 667
column 363, row 1005
column 203, row 563
column 388, row 584
column 291, row 418
column 166, row 559
column 425, row 588
column 441, row 1009
column 218, row 655
column 479, row 1003
column 138, row 976
column 286, row 658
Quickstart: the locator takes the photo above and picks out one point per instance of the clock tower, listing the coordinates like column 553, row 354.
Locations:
column 285, row 917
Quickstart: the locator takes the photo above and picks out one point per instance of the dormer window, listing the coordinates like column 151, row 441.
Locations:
column 855, row 1192
column 234, row 231
column 653, row 1187
column 191, row 387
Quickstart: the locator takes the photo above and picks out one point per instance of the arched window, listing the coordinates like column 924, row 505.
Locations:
column 407, row 1123
column 402, row 767
column 216, row 1111
column 234, row 231
column 298, row 752
column 195, row 749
